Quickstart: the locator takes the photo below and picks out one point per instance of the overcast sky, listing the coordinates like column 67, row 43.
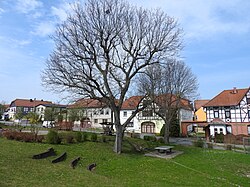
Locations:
column 217, row 43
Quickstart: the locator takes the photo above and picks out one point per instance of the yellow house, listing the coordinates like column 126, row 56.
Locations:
column 200, row 115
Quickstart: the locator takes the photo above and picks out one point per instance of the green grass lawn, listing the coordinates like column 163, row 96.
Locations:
column 196, row 167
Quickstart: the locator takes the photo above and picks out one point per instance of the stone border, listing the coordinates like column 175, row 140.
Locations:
column 91, row 166
column 49, row 152
column 61, row 158
column 74, row 162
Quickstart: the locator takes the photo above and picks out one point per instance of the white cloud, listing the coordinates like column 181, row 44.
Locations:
column 26, row 6
column 1, row 11
column 61, row 11
column 205, row 19
column 44, row 29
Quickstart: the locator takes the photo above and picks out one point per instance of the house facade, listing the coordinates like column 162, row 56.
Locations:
column 94, row 112
column 229, row 112
column 24, row 106
column 147, row 121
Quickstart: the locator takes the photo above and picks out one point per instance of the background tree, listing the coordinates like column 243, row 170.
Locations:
column 34, row 120
column 101, row 48
column 169, row 86
column 50, row 115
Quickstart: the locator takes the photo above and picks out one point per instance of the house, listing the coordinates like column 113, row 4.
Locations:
column 229, row 112
column 198, row 124
column 24, row 105
column 94, row 112
column 199, row 113
column 3, row 111
column 56, row 108
column 147, row 121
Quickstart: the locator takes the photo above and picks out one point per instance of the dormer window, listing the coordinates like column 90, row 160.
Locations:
column 216, row 113
column 248, row 100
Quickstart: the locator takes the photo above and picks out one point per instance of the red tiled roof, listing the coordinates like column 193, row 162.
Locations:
column 28, row 103
column 228, row 98
column 200, row 103
column 131, row 103
column 87, row 103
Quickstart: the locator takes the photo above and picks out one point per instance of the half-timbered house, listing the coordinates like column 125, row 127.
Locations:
column 229, row 112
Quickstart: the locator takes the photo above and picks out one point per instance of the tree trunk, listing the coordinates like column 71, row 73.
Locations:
column 118, row 139
column 166, row 134
column 119, row 132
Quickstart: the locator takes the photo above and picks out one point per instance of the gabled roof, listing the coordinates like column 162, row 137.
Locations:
column 200, row 103
column 132, row 102
column 87, row 103
column 28, row 103
column 228, row 98
column 53, row 105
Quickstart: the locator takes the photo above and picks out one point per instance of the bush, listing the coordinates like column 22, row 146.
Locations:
column 53, row 137
column 199, row 143
column 219, row 138
column 9, row 135
column 104, row 139
column 40, row 138
column 161, row 140
column 93, row 137
column 79, row 137
column 150, row 138
column 69, row 138
column 84, row 136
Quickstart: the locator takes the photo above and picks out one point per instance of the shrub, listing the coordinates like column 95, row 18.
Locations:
column 219, row 138
column 84, row 136
column 53, row 137
column 150, row 138
column 199, row 143
column 146, row 138
column 40, row 138
column 93, row 137
column 160, row 140
column 27, row 137
column 79, row 137
column 104, row 139
column 9, row 135
column 69, row 138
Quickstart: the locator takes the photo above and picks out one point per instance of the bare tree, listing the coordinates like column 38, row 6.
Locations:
column 103, row 45
column 169, row 86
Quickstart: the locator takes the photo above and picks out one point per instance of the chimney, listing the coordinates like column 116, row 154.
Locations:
column 235, row 90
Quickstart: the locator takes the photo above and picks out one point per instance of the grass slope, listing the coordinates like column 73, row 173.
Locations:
column 196, row 167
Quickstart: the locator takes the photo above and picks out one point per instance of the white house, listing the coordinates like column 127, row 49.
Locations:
column 229, row 112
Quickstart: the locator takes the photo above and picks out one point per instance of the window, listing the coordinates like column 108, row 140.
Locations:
column 248, row 114
column 107, row 112
column 215, row 130
column 229, row 129
column 125, row 113
column 248, row 129
column 102, row 112
column 216, row 114
column 148, row 127
column 248, row 100
column 131, row 124
column 25, row 109
column 227, row 113
column 104, row 120
column 95, row 120
column 221, row 130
